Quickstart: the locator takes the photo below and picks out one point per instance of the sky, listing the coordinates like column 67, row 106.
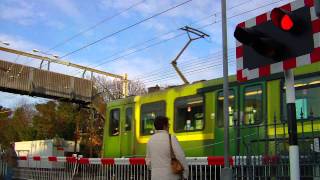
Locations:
column 143, row 51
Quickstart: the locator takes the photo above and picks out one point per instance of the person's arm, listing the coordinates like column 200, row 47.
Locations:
column 178, row 151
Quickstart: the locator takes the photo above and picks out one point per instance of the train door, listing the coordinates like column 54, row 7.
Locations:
column 253, row 117
column 112, row 144
column 127, row 131
column 219, row 120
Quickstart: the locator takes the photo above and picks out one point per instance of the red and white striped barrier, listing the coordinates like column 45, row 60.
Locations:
column 37, row 167
column 210, row 160
column 52, row 167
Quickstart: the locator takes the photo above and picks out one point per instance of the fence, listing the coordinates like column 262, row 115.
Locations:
column 200, row 168
column 273, row 138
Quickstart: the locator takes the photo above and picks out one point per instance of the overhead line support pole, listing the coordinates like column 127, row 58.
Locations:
column 125, row 84
column 226, row 173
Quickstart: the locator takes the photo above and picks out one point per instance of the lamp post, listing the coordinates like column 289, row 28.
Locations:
column 41, row 52
column 5, row 43
column 48, row 54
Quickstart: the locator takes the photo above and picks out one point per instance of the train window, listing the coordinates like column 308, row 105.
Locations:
column 149, row 112
column 220, row 112
column 307, row 98
column 253, row 104
column 128, row 119
column 114, row 122
column 189, row 114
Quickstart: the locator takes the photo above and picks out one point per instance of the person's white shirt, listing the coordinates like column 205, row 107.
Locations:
column 159, row 159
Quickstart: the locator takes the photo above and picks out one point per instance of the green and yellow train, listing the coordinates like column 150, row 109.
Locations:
column 196, row 115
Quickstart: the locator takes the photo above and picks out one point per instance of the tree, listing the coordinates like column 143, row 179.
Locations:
column 22, row 123
column 17, row 127
column 44, row 120
column 4, row 113
column 112, row 89
column 66, row 114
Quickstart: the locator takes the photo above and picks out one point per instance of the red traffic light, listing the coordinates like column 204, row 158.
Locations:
column 282, row 19
column 286, row 23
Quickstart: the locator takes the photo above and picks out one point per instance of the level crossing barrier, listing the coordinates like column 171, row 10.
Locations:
column 200, row 168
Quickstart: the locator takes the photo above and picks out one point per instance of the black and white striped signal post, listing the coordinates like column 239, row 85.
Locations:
column 292, row 125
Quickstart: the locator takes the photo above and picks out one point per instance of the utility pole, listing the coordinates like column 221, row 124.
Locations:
column 226, row 173
column 125, row 86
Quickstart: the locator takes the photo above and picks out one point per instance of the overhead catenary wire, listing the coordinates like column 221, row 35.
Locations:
column 187, row 73
column 193, row 65
column 167, row 33
column 164, row 69
column 126, row 28
column 279, row 1
column 251, row 10
column 268, row 4
column 188, row 68
column 143, row 48
column 134, row 50
column 94, row 26
column 194, row 71
column 184, row 62
column 243, row 13
column 160, row 42
column 181, row 34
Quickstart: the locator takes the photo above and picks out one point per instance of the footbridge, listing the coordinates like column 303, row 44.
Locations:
column 27, row 80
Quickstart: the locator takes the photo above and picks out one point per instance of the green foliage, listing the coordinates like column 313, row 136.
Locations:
column 40, row 121
column 55, row 119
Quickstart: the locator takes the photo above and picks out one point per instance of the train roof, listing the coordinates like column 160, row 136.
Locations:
column 210, row 85
column 202, row 84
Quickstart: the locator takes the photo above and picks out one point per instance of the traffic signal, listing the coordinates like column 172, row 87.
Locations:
column 282, row 34
column 260, row 42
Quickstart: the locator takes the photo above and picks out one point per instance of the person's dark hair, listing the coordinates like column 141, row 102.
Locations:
column 161, row 122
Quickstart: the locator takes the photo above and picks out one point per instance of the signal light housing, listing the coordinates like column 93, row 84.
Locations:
column 261, row 43
column 293, row 27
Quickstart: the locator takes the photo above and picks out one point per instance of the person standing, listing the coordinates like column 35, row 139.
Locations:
column 158, row 155
column 10, row 157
